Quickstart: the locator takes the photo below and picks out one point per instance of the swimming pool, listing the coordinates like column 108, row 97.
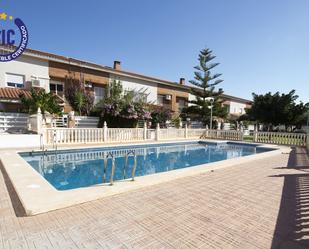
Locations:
column 71, row 169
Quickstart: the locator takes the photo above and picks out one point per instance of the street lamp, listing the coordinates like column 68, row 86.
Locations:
column 211, row 100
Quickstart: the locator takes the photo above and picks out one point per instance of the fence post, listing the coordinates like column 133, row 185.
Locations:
column 307, row 143
column 255, row 136
column 105, row 131
column 39, row 119
column 71, row 120
column 186, row 130
column 241, row 137
column 206, row 131
column 158, row 132
column 145, row 130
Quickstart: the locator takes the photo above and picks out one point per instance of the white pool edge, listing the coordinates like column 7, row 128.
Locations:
column 38, row 196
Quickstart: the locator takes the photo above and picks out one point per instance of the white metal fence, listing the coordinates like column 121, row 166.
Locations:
column 13, row 121
column 80, row 122
column 84, row 122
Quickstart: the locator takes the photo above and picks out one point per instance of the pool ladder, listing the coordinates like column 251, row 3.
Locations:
column 54, row 146
column 110, row 155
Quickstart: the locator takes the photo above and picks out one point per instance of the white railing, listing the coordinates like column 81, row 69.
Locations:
column 223, row 134
column 195, row 133
column 13, row 121
column 73, row 135
column 171, row 133
column 124, row 134
column 52, row 136
column 151, row 134
column 284, row 138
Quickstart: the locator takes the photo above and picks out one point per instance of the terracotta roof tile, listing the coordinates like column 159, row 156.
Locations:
column 9, row 93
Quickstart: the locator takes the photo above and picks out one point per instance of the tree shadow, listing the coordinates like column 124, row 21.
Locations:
column 17, row 205
column 292, row 227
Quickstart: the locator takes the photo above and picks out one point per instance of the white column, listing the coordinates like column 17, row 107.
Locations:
column 39, row 120
column 186, row 130
column 71, row 120
column 145, row 130
column 105, row 131
column 255, row 133
column 158, row 132
column 207, row 131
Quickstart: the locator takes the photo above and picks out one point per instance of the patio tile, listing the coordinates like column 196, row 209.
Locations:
column 264, row 204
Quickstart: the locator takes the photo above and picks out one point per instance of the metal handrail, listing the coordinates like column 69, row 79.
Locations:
column 126, row 161
column 110, row 154
column 41, row 142
column 134, row 167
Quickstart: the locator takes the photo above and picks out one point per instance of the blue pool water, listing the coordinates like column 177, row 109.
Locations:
column 69, row 169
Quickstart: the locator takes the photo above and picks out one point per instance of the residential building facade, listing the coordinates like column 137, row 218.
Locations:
column 53, row 73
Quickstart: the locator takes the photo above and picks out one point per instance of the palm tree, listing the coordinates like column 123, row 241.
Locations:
column 47, row 102
column 79, row 101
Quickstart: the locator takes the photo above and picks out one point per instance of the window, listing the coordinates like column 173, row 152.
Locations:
column 15, row 80
column 99, row 93
column 181, row 104
column 88, row 84
column 227, row 108
column 57, row 88
column 160, row 100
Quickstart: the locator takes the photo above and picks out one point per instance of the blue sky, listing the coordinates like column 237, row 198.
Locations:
column 262, row 45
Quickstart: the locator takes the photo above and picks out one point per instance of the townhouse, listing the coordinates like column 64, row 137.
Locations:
column 54, row 72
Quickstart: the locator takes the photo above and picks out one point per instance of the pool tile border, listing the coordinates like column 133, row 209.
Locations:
column 38, row 196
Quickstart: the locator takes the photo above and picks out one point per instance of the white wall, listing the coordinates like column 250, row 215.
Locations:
column 8, row 141
column 139, row 85
column 27, row 66
column 190, row 98
column 237, row 108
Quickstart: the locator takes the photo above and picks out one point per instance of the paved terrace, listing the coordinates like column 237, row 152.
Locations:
column 261, row 205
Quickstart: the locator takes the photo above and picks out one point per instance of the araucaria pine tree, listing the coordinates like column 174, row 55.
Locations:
column 204, row 92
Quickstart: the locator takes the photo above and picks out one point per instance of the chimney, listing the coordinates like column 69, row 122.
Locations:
column 182, row 81
column 117, row 65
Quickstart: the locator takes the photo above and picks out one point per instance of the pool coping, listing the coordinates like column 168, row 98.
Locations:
column 38, row 196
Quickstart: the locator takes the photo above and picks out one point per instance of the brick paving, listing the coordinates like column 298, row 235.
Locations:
column 264, row 204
